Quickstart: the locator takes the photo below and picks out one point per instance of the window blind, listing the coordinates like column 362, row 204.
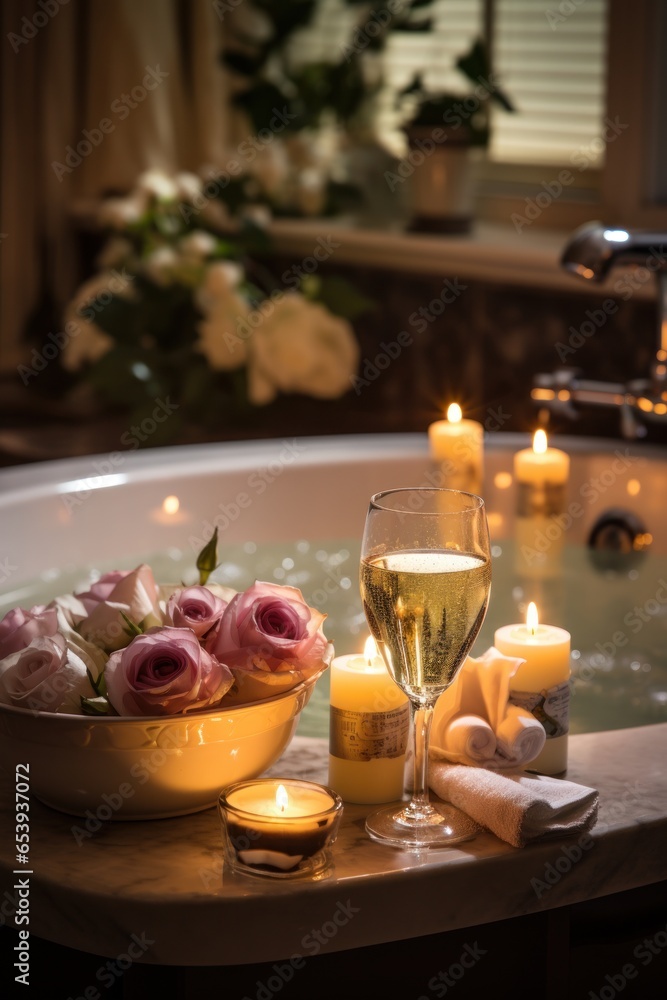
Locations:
column 548, row 54
column 552, row 63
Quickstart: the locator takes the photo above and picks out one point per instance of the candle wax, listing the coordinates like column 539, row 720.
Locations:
column 458, row 446
column 264, row 832
column 541, row 685
column 368, row 731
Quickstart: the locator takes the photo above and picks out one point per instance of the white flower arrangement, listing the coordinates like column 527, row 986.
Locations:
column 175, row 310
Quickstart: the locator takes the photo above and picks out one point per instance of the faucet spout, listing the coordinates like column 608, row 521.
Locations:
column 594, row 249
column 592, row 252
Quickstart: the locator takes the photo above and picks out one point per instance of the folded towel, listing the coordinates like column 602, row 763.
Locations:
column 499, row 735
column 467, row 739
column 520, row 738
column 517, row 807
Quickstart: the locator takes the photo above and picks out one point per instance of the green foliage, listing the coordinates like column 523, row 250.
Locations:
column 447, row 108
column 271, row 78
column 341, row 297
column 475, row 65
column 207, row 560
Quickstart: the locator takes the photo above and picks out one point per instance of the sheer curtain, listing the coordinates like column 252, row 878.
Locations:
column 92, row 94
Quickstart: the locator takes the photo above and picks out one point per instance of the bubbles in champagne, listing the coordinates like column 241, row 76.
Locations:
column 425, row 608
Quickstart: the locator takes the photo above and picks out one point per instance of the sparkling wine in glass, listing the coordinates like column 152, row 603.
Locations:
column 425, row 579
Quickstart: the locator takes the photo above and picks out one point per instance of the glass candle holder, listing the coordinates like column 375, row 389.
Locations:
column 279, row 827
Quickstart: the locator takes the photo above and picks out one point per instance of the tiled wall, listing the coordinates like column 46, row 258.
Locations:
column 483, row 349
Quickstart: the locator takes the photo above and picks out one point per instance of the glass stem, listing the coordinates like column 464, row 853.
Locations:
column 422, row 716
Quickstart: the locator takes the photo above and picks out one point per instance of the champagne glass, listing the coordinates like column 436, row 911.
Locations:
column 425, row 579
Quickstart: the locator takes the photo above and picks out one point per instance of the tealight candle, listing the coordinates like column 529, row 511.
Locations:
column 541, row 475
column 279, row 827
column 541, row 684
column 458, row 446
column 368, row 733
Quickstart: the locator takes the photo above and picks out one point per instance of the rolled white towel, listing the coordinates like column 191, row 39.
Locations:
column 467, row 739
column 521, row 739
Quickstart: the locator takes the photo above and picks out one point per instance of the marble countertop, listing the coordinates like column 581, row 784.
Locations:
column 163, row 881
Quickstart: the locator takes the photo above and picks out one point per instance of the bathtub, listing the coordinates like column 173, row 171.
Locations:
column 293, row 511
column 285, row 508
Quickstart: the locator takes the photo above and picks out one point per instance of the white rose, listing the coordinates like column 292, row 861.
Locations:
column 161, row 265
column 259, row 214
column 85, row 341
column 301, row 347
column 188, row 186
column 49, row 675
column 221, row 332
column 119, row 213
column 70, row 611
column 158, row 184
column 135, row 596
column 198, row 244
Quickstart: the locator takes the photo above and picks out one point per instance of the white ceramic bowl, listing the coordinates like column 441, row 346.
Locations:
column 147, row 768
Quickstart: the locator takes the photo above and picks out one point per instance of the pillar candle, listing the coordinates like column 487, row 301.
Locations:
column 369, row 723
column 541, row 475
column 457, row 445
column 541, row 684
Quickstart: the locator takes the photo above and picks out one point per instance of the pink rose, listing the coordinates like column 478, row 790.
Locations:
column 270, row 627
column 196, row 608
column 134, row 594
column 19, row 627
column 49, row 675
column 164, row 672
column 102, row 589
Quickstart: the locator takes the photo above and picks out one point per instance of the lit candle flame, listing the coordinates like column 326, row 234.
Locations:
column 282, row 798
column 370, row 650
column 454, row 413
column 171, row 505
column 540, row 442
column 531, row 617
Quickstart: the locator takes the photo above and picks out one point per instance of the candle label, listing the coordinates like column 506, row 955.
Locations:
column 368, row 735
column 547, row 499
column 550, row 707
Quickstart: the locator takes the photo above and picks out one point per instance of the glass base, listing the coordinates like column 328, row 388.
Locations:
column 315, row 868
column 441, row 826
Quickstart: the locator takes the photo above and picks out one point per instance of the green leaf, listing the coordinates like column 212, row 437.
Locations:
column 415, row 26
column 348, row 88
column 501, row 98
column 207, row 560
column 124, row 377
column 254, row 238
column 475, row 65
column 132, row 628
column 261, row 102
column 94, row 706
column 416, row 85
column 342, row 298
column 99, row 685
column 118, row 317
column 286, row 17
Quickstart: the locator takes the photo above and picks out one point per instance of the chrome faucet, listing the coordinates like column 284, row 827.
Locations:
column 592, row 252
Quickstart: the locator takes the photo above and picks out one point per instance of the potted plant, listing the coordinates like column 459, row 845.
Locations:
column 443, row 131
column 324, row 158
